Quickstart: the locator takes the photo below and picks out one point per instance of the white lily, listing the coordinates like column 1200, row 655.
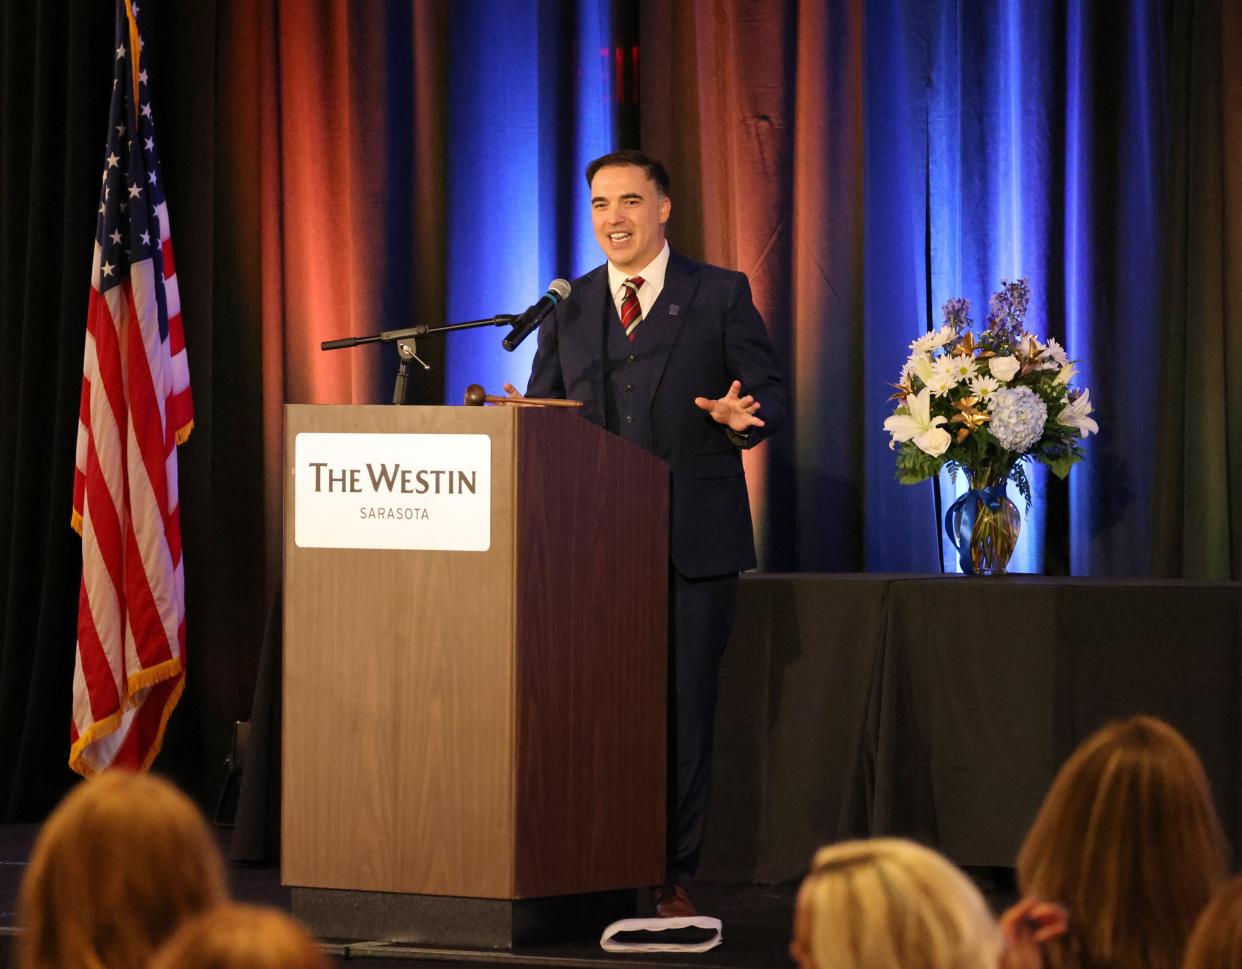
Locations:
column 920, row 365
column 1065, row 374
column 1074, row 414
column 919, row 426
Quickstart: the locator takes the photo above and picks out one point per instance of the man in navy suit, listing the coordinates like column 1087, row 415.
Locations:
column 672, row 355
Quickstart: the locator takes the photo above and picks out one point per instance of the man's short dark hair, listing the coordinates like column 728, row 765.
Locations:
column 652, row 167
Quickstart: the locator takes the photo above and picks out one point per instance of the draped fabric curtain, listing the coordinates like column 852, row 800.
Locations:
column 47, row 222
column 340, row 168
column 1196, row 525
column 864, row 163
column 758, row 108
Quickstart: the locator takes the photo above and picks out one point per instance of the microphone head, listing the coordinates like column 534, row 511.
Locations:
column 559, row 288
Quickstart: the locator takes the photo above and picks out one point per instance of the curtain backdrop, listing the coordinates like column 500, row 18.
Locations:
column 339, row 168
column 865, row 163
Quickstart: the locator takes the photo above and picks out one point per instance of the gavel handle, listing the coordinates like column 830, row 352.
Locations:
column 531, row 401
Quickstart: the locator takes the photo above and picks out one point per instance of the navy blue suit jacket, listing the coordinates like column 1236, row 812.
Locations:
column 718, row 337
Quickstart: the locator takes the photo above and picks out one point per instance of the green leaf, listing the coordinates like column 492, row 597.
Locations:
column 1060, row 464
column 914, row 465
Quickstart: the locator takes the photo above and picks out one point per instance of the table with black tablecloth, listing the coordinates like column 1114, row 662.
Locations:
column 940, row 707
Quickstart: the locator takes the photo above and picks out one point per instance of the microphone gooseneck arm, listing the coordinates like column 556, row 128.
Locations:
column 414, row 332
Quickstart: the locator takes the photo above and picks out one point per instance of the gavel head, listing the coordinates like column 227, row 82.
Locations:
column 475, row 396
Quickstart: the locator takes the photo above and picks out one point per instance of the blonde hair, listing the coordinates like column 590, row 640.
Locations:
column 1216, row 942
column 887, row 902
column 1128, row 840
column 241, row 937
column 121, row 862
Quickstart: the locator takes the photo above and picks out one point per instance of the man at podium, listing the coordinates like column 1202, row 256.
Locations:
column 671, row 355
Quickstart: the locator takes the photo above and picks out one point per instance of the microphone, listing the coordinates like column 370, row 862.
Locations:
column 558, row 290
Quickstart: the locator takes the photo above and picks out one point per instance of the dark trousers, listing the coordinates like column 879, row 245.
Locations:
column 700, row 618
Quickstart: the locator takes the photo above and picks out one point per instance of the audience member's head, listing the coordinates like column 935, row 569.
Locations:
column 890, row 903
column 241, row 937
column 1216, row 942
column 1128, row 840
column 120, row 864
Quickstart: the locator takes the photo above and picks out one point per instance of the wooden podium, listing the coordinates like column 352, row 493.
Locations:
column 471, row 735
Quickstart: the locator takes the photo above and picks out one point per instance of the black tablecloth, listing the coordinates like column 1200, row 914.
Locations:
column 940, row 707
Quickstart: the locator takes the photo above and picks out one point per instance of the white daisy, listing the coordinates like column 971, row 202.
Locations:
column 934, row 340
column 984, row 387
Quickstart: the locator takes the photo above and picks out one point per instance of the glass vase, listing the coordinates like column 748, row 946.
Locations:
column 983, row 524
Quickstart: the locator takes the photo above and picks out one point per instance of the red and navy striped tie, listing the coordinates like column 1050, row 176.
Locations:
column 631, row 312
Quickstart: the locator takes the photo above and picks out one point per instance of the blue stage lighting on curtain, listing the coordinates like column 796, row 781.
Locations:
column 529, row 106
column 899, row 522
column 991, row 190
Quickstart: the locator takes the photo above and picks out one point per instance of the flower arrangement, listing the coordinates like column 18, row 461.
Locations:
column 988, row 406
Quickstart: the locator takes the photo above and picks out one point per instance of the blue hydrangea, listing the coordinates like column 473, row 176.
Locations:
column 1018, row 416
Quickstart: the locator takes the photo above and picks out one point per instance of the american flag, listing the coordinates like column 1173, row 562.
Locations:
column 136, row 408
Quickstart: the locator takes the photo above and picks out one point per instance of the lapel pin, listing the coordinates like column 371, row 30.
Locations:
column 672, row 309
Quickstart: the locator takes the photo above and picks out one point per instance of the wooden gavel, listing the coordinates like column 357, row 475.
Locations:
column 476, row 396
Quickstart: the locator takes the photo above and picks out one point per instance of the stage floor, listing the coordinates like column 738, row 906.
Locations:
column 757, row 921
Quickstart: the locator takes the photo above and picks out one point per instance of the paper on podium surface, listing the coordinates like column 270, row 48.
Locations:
column 696, row 934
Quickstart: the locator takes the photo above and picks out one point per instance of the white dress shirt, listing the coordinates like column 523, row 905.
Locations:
column 653, row 282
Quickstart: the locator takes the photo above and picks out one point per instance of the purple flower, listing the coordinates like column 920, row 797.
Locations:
column 957, row 314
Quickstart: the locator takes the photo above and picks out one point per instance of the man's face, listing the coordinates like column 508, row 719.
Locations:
column 628, row 213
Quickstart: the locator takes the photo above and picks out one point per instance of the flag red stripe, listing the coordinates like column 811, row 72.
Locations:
column 180, row 409
column 145, row 726
column 100, row 687
column 102, row 328
column 144, row 407
column 150, row 637
column 104, row 520
column 172, row 528
column 166, row 251
column 176, row 336
column 84, row 406
column 79, row 490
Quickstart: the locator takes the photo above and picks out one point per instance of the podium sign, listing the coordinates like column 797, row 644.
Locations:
column 408, row 491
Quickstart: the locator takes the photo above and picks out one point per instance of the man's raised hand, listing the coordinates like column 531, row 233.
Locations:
column 735, row 411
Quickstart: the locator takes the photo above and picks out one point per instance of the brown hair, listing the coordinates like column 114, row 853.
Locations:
column 1216, row 942
column 1128, row 840
column 888, row 902
column 652, row 167
column 123, row 861
column 241, row 937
